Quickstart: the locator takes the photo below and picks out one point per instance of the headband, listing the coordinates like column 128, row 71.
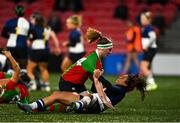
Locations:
column 105, row 46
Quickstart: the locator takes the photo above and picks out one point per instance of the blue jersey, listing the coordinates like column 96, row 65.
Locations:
column 146, row 30
column 40, row 37
column 148, row 37
column 17, row 31
column 116, row 94
column 75, row 41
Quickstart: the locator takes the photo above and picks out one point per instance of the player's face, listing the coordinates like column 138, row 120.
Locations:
column 144, row 20
column 107, row 51
column 122, row 80
column 69, row 24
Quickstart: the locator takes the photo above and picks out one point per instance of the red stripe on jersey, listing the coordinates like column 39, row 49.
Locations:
column 23, row 90
column 51, row 109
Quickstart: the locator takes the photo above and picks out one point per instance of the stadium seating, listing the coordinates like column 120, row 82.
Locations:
column 95, row 15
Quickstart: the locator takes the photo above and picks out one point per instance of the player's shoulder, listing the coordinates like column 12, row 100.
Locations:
column 12, row 21
column 92, row 55
column 150, row 28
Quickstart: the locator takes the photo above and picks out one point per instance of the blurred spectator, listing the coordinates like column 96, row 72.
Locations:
column 133, row 39
column 159, row 22
column 64, row 5
column 61, row 5
column 54, row 22
column 121, row 11
column 16, row 1
column 163, row 2
column 30, row 1
column 76, row 5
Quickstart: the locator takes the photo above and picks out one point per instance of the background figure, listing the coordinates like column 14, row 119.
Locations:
column 149, row 49
column 17, row 30
column 61, row 5
column 75, row 44
column 76, row 5
column 39, row 50
column 133, row 39
column 121, row 11
column 64, row 5
column 54, row 22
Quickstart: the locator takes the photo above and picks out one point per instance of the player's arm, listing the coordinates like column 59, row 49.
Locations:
column 56, row 42
column 99, row 88
column 14, row 64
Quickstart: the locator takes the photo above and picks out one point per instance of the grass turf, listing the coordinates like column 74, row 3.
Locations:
column 161, row 105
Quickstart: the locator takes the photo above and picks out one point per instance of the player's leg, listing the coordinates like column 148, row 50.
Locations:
column 58, row 107
column 45, row 76
column 135, row 59
column 145, row 67
column 30, row 71
column 127, row 63
column 151, row 85
column 40, row 105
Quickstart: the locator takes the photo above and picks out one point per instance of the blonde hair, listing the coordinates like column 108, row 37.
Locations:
column 147, row 14
column 76, row 20
column 95, row 35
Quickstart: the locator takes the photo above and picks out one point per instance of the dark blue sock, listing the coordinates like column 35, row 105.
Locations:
column 41, row 105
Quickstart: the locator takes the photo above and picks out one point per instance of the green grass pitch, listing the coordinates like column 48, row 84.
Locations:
column 161, row 105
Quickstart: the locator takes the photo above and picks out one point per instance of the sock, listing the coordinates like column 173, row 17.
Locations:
column 79, row 105
column 150, row 79
column 56, row 107
column 34, row 105
column 44, row 84
column 39, row 105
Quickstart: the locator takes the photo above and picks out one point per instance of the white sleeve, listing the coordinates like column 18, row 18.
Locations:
column 152, row 36
column 147, row 42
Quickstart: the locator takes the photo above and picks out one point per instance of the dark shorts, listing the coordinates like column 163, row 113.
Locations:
column 19, row 53
column 70, row 87
column 75, row 56
column 39, row 55
column 149, row 54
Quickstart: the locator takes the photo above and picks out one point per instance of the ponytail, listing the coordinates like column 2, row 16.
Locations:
column 93, row 35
